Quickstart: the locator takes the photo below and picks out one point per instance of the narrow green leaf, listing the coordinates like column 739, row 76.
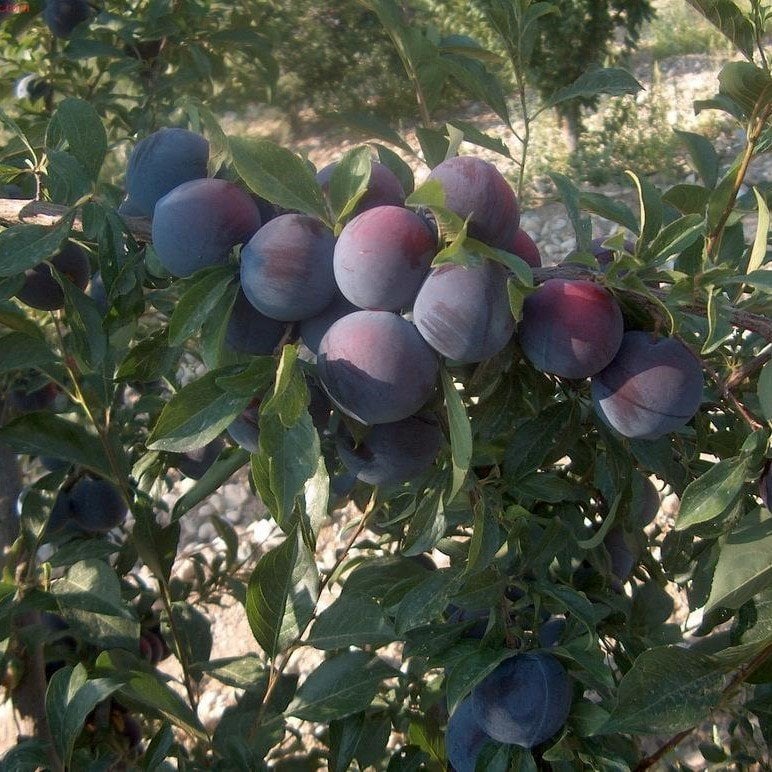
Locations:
column 460, row 433
column 82, row 128
column 240, row 672
column 675, row 237
column 88, row 338
column 470, row 670
column 613, row 81
column 25, row 246
column 703, row 155
column 730, row 20
column 19, row 352
column 609, row 208
column 197, row 302
column 352, row 620
column 650, row 208
column 569, row 194
column 427, row 525
column 764, row 391
column 759, row 250
column 349, row 181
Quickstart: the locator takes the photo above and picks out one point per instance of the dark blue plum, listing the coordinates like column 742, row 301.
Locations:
column 394, row 452
column 42, row 291
column 551, row 631
column 161, row 162
column 623, row 553
column 525, row 700
column 127, row 208
column 32, row 87
column 26, row 399
column 476, row 189
column 96, row 505
column 62, row 16
column 245, row 430
column 571, row 328
column 645, row 501
column 382, row 256
column 376, row 367
column 652, row 387
column 525, row 248
column 195, row 463
column 464, row 739
column 480, row 616
column 383, row 188
column 286, row 268
column 199, row 222
column 313, row 329
column 463, row 312
column 251, row 332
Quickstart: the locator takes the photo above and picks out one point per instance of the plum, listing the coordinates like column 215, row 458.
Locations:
column 476, row 189
column 570, row 328
column 464, row 739
column 480, row 616
column 250, row 332
column 94, row 505
column 463, row 312
column 382, row 256
column 604, row 255
column 645, row 501
column 551, row 631
column 26, row 400
column 525, row 248
column 383, row 188
column 623, row 553
column 158, row 164
column 42, row 291
column 194, row 463
column 286, row 268
column 62, row 16
column 653, row 386
column 199, row 222
column 376, row 367
column 765, row 487
column 392, row 452
column 525, row 700
column 245, row 430
column 312, row 330
column 32, row 87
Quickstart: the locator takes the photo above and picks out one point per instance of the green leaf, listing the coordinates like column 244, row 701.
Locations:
column 427, row 525
column 372, row 127
column 150, row 359
column 569, row 194
column 427, row 600
column 240, row 672
column 481, row 139
column 764, row 391
column 193, row 632
column 470, row 670
column 340, row 686
column 703, row 155
column 290, row 393
column 668, row 689
column 25, row 246
column 352, row 620
column 688, row 199
column 746, row 84
column 613, row 81
column 744, row 565
column 460, row 433
column 282, row 594
column 48, row 434
column 279, row 176
column 197, row 302
column 156, row 544
column 80, row 125
column 88, row 338
column 761, row 280
column 675, row 237
column 349, row 181
column 759, row 250
column 730, row 21
column 650, row 207
column 196, row 414
column 609, row 208
column 19, row 351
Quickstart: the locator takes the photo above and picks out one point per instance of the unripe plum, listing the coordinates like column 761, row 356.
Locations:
column 158, row 164
column 42, row 291
column 571, row 328
column 383, row 188
column 382, row 256
column 251, row 332
column 62, row 16
column 393, row 452
column 376, row 367
column 464, row 739
column 194, row 463
column 463, row 312
column 286, row 268
column 475, row 187
column 199, row 222
column 312, row 330
column 96, row 505
column 653, row 386
column 525, row 248
column 525, row 700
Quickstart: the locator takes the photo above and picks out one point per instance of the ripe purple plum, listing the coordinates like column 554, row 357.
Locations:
column 551, row 631
column 382, row 256
column 62, row 16
column 42, row 291
column 286, row 268
column 198, row 223
column 570, row 328
column 251, row 332
column 312, row 330
column 464, row 739
column 26, row 399
column 158, row 164
column 652, row 387
column 463, row 312
column 525, row 248
column 623, row 553
column 394, row 452
column 383, row 188
column 376, row 367
column 476, row 189
column 194, row 463
column 525, row 700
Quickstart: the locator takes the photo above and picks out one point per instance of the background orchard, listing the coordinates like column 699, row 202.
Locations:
column 459, row 444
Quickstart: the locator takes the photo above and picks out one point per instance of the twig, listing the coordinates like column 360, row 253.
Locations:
column 749, row 367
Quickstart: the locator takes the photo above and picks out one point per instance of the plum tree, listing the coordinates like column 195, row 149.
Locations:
column 198, row 223
column 62, row 16
column 251, row 332
column 464, row 739
column 286, row 268
column 652, row 387
column 477, row 190
column 313, row 328
column 194, row 463
column 570, row 328
column 383, row 188
column 525, row 247
column 382, row 256
column 525, row 700
column 463, row 312
column 42, row 291
column 161, row 162
column 376, row 367
column 392, row 452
